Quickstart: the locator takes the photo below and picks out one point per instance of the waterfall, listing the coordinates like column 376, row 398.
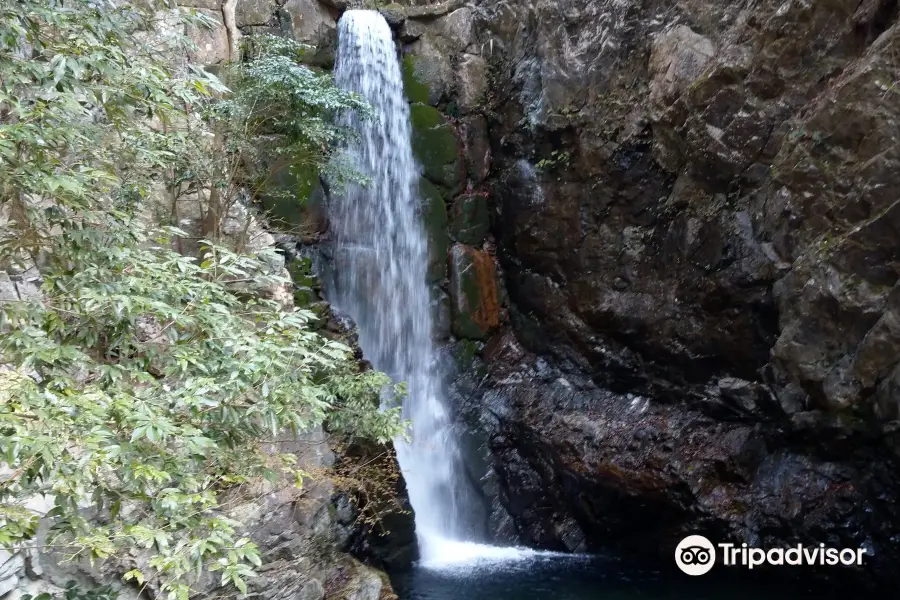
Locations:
column 380, row 263
column 379, row 280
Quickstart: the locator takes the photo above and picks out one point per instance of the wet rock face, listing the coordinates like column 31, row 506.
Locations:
column 435, row 217
column 469, row 219
column 435, row 146
column 579, row 468
column 693, row 203
column 473, row 292
column 380, row 522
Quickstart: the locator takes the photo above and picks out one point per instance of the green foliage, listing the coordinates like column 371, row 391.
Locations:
column 76, row 80
column 145, row 383
column 73, row 592
column 281, row 116
column 557, row 159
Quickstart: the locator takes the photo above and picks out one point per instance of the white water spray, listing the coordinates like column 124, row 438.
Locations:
column 380, row 265
column 381, row 259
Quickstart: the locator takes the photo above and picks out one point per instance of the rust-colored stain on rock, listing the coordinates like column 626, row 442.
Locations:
column 487, row 313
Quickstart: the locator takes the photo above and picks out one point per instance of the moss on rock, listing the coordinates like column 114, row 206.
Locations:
column 415, row 79
column 305, row 283
column 435, row 145
column 416, row 89
column 470, row 221
column 287, row 192
column 422, row 116
column 435, row 217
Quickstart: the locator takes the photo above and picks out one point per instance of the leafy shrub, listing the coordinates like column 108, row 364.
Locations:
column 73, row 592
column 144, row 383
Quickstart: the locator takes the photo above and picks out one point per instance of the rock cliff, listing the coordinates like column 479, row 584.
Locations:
column 673, row 243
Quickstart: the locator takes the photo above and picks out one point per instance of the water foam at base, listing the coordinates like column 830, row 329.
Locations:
column 447, row 554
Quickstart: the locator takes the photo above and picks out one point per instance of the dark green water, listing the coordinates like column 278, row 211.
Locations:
column 587, row 578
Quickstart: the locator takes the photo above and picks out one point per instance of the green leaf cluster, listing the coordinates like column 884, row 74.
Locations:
column 73, row 592
column 144, row 383
column 281, row 116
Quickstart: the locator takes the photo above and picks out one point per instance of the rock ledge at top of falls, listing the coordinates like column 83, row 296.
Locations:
column 415, row 10
column 693, row 208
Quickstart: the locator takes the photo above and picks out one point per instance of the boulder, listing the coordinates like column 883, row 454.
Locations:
column 472, row 82
column 394, row 14
column 305, row 284
column 415, row 80
column 427, row 10
column 457, row 29
column 390, row 543
column 470, row 220
column 12, row 569
column 205, row 4
column 8, row 291
column 435, row 217
column 473, row 292
column 365, row 584
column 292, row 193
column 310, row 22
column 255, row 12
column 435, row 146
column 441, row 314
column 427, row 72
column 476, row 147
column 338, row 5
column 677, row 58
column 212, row 46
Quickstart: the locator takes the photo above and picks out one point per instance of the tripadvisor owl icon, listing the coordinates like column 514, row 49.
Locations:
column 695, row 555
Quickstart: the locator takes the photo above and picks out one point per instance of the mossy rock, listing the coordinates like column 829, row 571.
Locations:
column 435, row 146
column 322, row 311
column 465, row 352
column 394, row 14
column 469, row 220
column 422, row 116
column 415, row 69
column 435, row 217
column 305, row 283
column 320, row 40
column 322, row 56
column 440, row 305
column 288, row 194
column 300, row 270
column 474, row 293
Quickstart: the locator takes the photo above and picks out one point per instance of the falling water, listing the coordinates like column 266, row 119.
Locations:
column 380, row 263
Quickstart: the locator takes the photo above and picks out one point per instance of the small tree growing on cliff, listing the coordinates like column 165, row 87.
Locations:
column 141, row 383
column 277, row 118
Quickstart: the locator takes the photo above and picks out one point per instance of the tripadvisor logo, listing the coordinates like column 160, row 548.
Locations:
column 696, row 555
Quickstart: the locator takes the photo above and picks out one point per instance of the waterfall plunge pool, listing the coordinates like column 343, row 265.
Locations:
column 551, row 576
